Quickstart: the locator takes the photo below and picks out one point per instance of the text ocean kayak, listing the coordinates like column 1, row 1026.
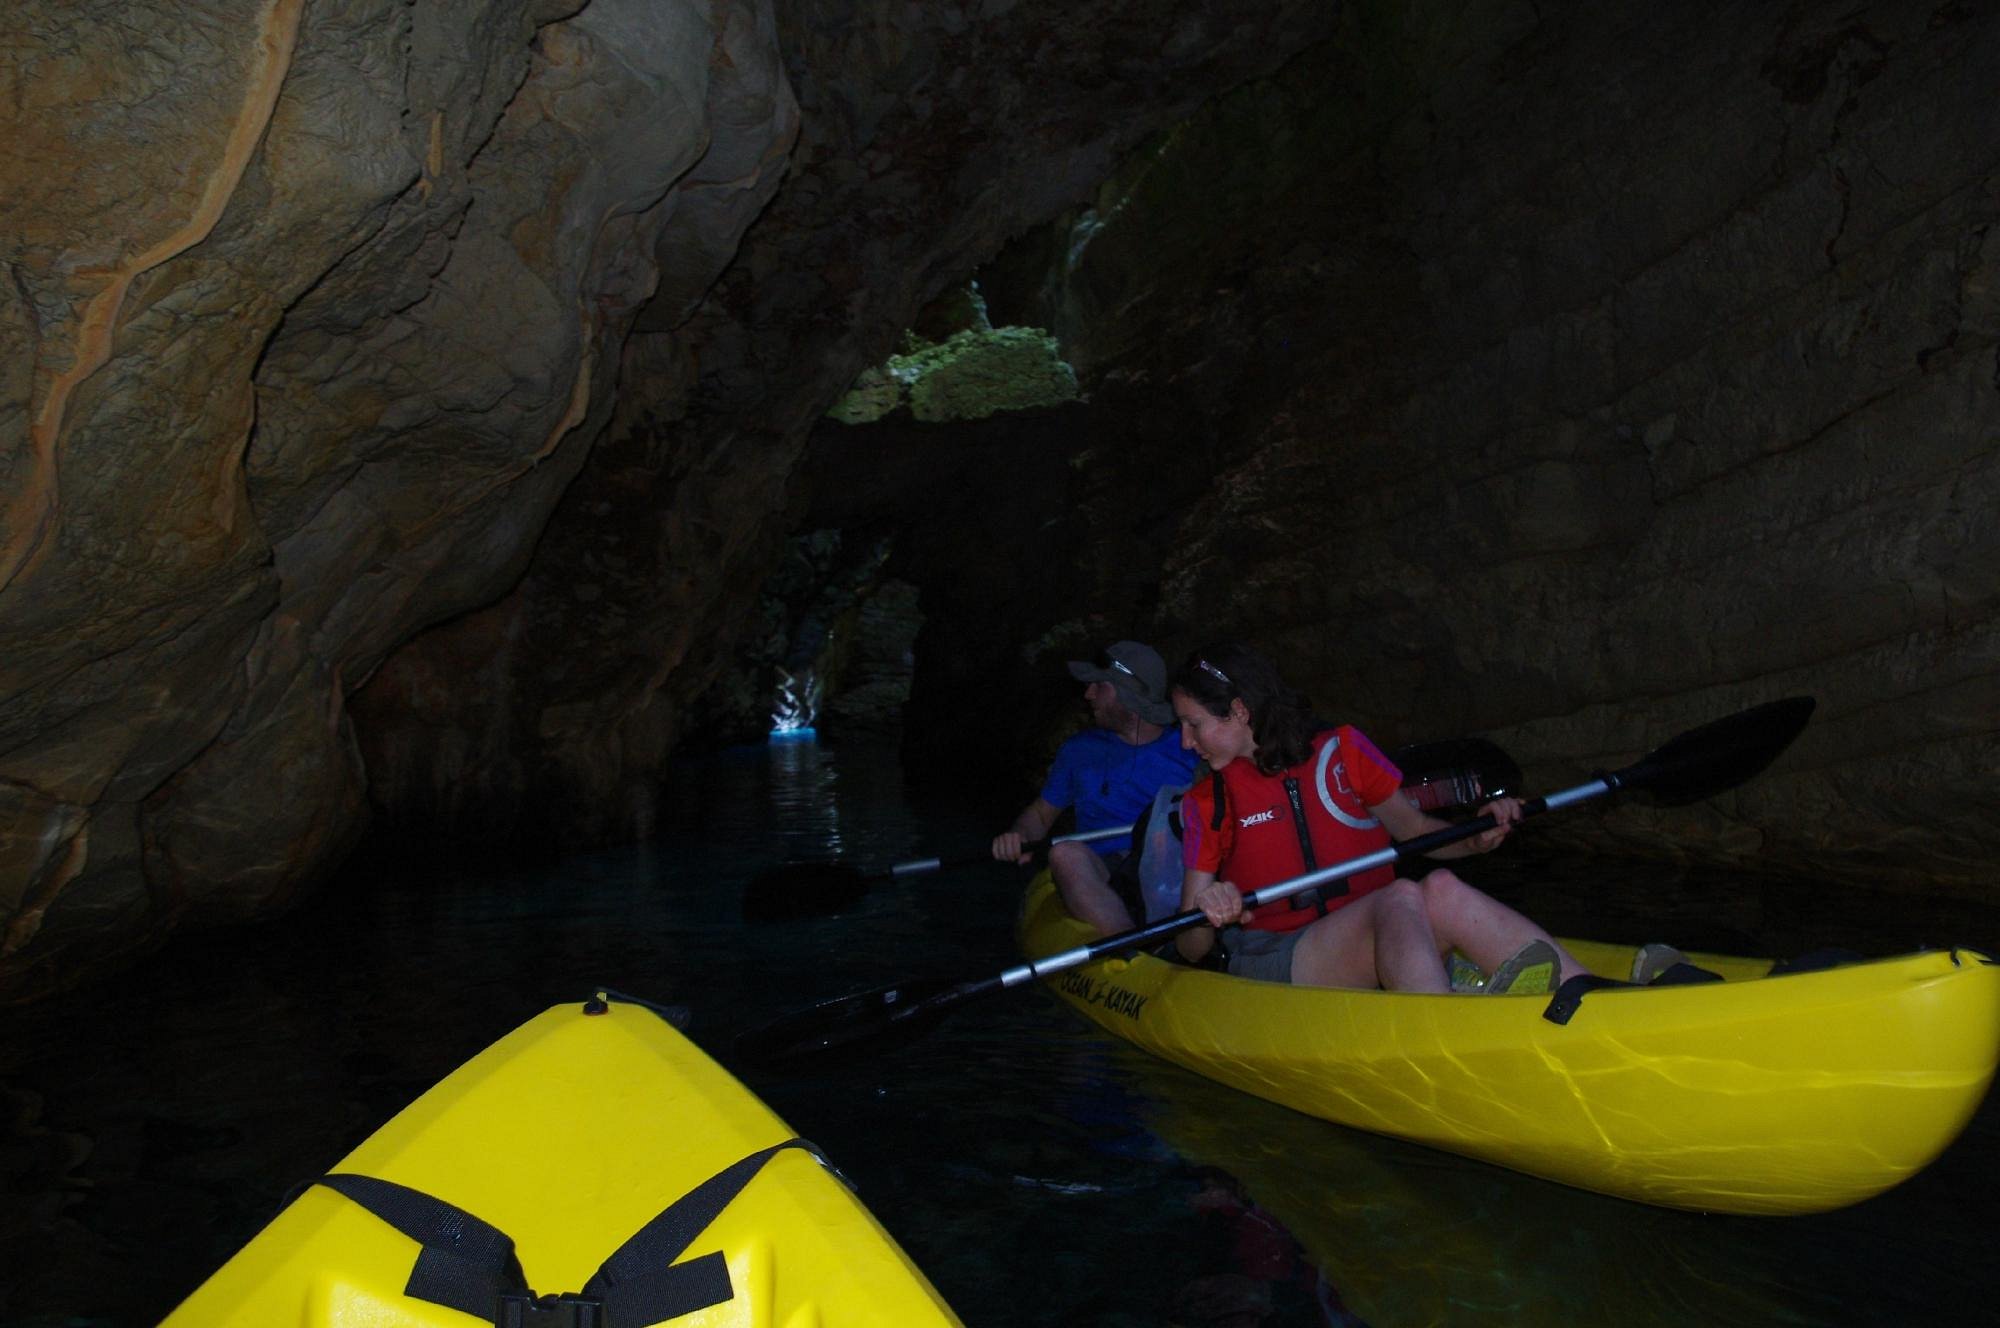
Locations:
column 573, row 1135
column 1790, row 1094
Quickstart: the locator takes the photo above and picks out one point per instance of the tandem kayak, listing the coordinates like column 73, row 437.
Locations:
column 1786, row 1094
column 598, row 1157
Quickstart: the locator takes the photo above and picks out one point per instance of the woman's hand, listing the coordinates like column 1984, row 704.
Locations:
column 1504, row 811
column 1403, row 821
column 1221, row 901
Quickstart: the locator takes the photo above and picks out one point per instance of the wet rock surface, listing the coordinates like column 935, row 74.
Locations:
column 404, row 403
column 1575, row 378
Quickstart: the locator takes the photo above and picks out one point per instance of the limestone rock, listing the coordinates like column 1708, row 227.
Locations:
column 929, row 134
column 314, row 315
column 1577, row 377
column 407, row 399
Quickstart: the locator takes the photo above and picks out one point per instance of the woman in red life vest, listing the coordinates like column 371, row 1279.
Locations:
column 1294, row 796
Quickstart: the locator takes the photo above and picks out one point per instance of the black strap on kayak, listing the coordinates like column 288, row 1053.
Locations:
column 641, row 1274
column 465, row 1264
column 1569, row 996
column 1571, row 993
column 469, row 1265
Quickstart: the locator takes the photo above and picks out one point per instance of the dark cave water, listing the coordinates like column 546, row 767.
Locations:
column 1039, row 1172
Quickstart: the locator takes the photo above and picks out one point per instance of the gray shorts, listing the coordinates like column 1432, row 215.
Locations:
column 1263, row 955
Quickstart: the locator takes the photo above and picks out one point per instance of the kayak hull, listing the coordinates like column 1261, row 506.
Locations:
column 1771, row 1095
column 570, row 1134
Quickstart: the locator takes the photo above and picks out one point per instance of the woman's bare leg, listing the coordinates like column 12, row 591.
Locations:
column 1383, row 939
column 1479, row 926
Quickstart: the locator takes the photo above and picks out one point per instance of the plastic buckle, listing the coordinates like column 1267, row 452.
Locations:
column 525, row 1309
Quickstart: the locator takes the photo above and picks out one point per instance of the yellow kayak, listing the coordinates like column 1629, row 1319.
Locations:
column 500, row 1195
column 1791, row 1094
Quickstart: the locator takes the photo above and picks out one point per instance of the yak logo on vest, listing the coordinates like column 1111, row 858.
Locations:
column 1256, row 818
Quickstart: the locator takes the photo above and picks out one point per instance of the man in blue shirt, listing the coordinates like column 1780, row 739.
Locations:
column 1109, row 773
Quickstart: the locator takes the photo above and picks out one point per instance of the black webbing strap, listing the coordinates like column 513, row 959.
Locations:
column 465, row 1263
column 1569, row 996
column 641, row 1274
column 469, row 1265
column 1314, row 898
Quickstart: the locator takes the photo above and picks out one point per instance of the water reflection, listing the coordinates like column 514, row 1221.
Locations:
column 1263, row 1265
column 803, row 797
column 1416, row 1237
column 1040, row 1172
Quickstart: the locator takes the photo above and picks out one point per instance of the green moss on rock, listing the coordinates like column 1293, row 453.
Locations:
column 968, row 376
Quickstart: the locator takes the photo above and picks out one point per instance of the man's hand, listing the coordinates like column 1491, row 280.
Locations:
column 1007, row 848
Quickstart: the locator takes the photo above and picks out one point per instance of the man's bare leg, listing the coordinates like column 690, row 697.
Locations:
column 1083, row 879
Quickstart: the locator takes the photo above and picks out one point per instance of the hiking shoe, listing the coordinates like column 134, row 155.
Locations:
column 1653, row 959
column 1466, row 976
column 1529, row 971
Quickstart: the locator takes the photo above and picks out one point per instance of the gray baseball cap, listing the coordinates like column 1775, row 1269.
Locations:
column 1138, row 673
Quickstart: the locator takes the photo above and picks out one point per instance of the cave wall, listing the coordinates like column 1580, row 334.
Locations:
column 929, row 134
column 314, row 311
column 402, row 402
column 1576, row 374
column 396, row 418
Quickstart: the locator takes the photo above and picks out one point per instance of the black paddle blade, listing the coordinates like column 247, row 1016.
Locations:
column 1458, row 772
column 1703, row 762
column 884, row 1018
column 803, row 890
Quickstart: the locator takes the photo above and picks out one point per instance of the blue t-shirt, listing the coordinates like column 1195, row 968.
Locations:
column 1110, row 782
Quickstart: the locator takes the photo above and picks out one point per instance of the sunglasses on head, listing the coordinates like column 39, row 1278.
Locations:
column 1105, row 660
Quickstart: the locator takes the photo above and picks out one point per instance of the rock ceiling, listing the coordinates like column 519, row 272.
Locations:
column 403, row 402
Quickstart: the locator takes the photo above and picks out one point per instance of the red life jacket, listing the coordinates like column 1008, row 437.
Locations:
column 1264, row 824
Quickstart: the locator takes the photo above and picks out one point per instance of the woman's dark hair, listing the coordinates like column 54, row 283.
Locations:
column 1280, row 718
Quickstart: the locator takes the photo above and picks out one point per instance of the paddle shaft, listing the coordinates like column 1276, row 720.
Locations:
column 921, row 865
column 1456, row 772
column 1140, row 937
column 931, row 1006
column 1475, row 752
column 1692, row 766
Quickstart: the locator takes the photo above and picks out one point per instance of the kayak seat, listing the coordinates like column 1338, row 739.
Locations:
column 469, row 1265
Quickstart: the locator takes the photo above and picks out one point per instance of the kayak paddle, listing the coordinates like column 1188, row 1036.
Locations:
column 1456, row 772
column 1687, row 768
column 819, row 889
